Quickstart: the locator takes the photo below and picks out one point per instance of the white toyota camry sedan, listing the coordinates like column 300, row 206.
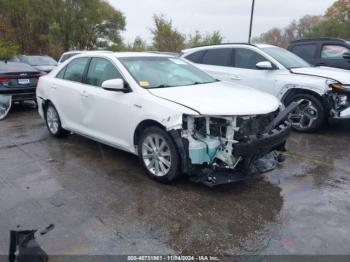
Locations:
column 176, row 118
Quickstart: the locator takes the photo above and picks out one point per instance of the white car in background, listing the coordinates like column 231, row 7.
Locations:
column 175, row 117
column 325, row 91
column 67, row 55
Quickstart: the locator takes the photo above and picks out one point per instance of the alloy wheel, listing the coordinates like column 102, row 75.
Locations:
column 156, row 155
column 52, row 120
column 304, row 116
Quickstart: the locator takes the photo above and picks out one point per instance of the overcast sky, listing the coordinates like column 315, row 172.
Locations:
column 231, row 17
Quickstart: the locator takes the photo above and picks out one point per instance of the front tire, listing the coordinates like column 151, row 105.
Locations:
column 309, row 116
column 158, row 155
column 53, row 122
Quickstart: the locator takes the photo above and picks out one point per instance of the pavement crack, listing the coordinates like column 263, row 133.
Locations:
column 22, row 144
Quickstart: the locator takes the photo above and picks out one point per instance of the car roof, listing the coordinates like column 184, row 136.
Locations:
column 320, row 39
column 86, row 51
column 264, row 45
column 227, row 45
column 123, row 54
column 139, row 54
column 165, row 53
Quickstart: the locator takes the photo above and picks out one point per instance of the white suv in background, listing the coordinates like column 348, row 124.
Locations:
column 325, row 91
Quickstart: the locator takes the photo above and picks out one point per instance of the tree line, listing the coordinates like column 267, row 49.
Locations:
column 55, row 26
column 334, row 23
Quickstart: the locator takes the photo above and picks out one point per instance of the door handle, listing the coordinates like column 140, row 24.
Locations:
column 84, row 94
column 235, row 77
column 54, row 87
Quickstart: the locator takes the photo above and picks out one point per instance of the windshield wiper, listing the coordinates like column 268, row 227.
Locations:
column 161, row 86
column 203, row 83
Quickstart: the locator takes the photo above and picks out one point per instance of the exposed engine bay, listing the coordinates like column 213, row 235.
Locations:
column 233, row 146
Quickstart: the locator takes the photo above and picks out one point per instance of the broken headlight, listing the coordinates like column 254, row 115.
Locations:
column 335, row 85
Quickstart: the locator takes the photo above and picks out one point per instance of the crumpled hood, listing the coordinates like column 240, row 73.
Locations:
column 341, row 75
column 45, row 68
column 220, row 99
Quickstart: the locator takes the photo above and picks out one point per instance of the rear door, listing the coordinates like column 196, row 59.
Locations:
column 66, row 92
column 332, row 55
column 217, row 62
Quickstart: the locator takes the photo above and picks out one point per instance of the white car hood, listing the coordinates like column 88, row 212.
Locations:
column 220, row 99
column 341, row 75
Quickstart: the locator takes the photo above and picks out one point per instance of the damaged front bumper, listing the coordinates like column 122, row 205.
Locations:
column 218, row 176
column 221, row 150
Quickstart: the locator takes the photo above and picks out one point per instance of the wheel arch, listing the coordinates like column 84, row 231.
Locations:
column 297, row 91
column 142, row 126
column 45, row 103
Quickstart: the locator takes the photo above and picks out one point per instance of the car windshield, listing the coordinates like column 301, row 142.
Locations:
column 40, row 60
column 162, row 72
column 286, row 58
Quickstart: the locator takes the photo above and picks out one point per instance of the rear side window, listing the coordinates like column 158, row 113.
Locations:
column 75, row 69
column 15, row 59
column 67, row 56
column 218, row 57
column 246, row 58
column 101, row 70
column 196, row 57
column 307, row 51
column 61, row 73
column 333, row 51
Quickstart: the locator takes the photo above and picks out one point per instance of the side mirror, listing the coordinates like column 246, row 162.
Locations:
column 116, row 85
column 264, row 65
column 346, row 55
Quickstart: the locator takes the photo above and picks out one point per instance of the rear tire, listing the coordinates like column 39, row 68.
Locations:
column 158, row 155
column 309, row 116
column 53, row 122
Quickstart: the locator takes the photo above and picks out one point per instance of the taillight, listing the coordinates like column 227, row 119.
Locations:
column 4, row 80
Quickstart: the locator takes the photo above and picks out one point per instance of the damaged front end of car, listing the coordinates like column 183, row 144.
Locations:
column 218, row 150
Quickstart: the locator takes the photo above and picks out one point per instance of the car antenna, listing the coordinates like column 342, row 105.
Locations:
column 251, row 22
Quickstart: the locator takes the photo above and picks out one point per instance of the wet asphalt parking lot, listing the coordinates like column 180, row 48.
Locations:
column 102, row 203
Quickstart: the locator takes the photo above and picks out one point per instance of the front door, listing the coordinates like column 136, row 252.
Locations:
column 245, row 72
column 104, row 112
column 332, row 55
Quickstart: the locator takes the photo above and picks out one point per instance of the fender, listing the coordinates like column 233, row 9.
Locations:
column 287, row 89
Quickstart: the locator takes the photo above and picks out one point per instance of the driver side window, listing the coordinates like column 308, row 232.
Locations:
column 246, row 58
column 101, row 70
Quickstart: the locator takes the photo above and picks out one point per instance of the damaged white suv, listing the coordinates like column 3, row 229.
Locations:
column 175, row 117
column 324, row 91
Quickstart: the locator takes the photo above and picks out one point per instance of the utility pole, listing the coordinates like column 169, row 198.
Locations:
column 251, row 22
